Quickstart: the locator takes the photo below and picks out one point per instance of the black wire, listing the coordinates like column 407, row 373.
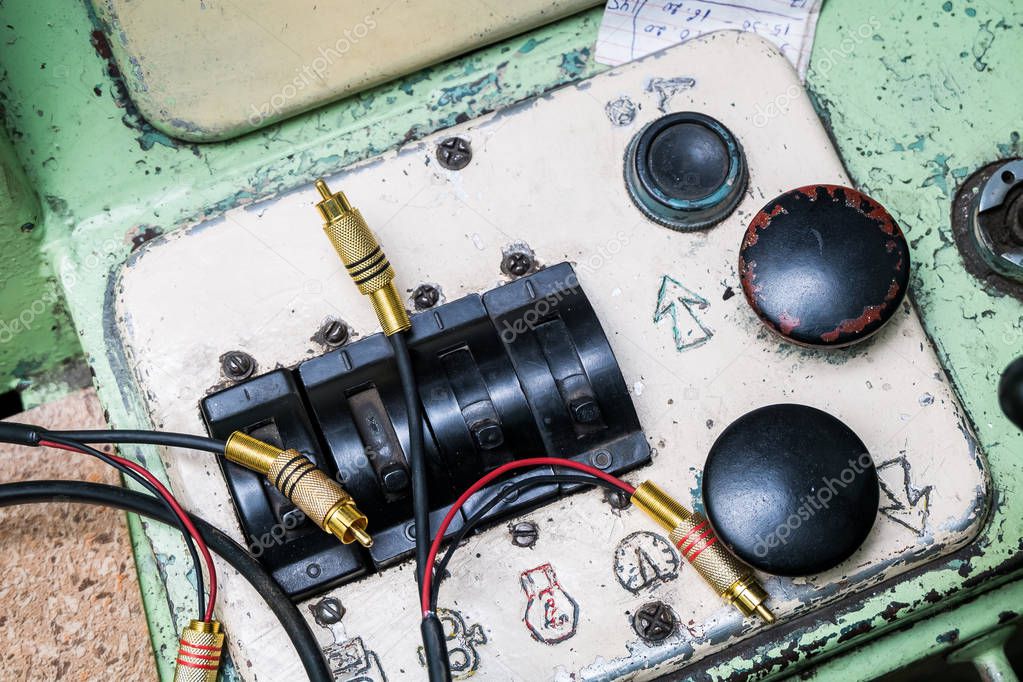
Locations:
column 291, row 620
column 416, row 454
column 434, row 646
column 200, row 584
column 175, row 440
column 478, row 517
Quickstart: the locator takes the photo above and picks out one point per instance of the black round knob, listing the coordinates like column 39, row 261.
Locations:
column 685, row 171
column 1010, row 392
column 824, row 265
column 790, row 489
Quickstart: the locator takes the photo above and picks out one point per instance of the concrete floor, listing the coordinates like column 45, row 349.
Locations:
column 70, row 607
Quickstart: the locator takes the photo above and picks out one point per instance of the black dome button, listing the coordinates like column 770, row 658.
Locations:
column 790, row 489
column 824, row 265
column 685, row 171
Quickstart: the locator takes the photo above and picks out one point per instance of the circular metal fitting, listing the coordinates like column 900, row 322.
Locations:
column 685, row 171
column 996, row 220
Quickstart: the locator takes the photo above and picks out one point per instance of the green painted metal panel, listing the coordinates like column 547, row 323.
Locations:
column 917, row 94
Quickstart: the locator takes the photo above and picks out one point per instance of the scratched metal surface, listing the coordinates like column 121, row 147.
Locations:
column 687, row 345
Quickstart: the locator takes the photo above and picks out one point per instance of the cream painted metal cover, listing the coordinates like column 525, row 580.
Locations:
column 214, row 69
column 548, row 173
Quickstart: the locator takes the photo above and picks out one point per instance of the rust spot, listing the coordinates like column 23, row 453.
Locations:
column 760, row 221
column 891, row 612
column 893, row 291
column 856, row 630
column 871, row 314
column 786, row 323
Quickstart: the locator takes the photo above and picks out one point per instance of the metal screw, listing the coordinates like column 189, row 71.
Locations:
column 454, row 153
column 410, row 532
column 488, row 434
column 335, row 332
column 313, row 570
column 524, row 534
column 510, row 497
column 602, row 459
column 616, row 498
column 237, row 366
column 654, row 621
column 425, row 296
column 585, row 410
column 328, row 612
column 517, row 263
column 394, row 479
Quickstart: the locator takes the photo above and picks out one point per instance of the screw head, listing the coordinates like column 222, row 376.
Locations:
column 335, row 332
column 454, row 153
column 517, row 263
column 654, row 621
column 524, row 534
column 585, row 410
column 601, row 459
column 616, row 498
column 237, row 365
column 328, row 612
column 488, row 434
column 394, row 479
column 410, row 531
column 425, row 296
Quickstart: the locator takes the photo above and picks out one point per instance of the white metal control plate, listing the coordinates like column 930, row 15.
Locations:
column 548, row 173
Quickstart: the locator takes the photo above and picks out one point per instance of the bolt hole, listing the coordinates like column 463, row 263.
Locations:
column 1008, row 178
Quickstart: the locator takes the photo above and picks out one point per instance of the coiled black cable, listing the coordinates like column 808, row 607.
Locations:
column 295, row 626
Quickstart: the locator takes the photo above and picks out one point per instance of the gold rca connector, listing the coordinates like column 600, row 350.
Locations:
column 363, row 258
column 319, row 496
column 198, row 660
column 695, row 540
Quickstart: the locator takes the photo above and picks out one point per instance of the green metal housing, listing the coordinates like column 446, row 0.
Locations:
column 917, row 95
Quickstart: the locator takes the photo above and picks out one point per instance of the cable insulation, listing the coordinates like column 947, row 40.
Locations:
column 162, row 492
column 438, row 539
column 295, row 626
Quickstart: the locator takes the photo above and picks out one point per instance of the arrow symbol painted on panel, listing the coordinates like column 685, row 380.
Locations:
column 906, row 505
column 688, row 330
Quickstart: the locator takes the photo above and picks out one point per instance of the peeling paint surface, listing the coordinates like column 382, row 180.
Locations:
column 573, row 604
column 910, row 121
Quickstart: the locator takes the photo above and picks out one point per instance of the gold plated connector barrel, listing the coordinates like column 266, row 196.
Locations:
column 363, row 258
column 199, row 652
column 695, row 540
column 314, row 492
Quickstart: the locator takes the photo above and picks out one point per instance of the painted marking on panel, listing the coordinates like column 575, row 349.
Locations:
column 645, row 560
column 552, row 615
column 463, row 641
column 686, row 327
column 906, row 505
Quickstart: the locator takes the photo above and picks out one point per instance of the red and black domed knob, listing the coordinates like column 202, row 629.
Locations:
column 824, row 265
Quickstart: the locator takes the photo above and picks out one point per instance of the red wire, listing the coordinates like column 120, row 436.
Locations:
column 185, row 519
column 475, row 487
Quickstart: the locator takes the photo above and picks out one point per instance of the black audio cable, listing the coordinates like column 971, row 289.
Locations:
column 295, row 626
column 479, row 517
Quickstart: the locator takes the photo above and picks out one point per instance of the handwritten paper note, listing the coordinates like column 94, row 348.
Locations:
column 635, row 28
